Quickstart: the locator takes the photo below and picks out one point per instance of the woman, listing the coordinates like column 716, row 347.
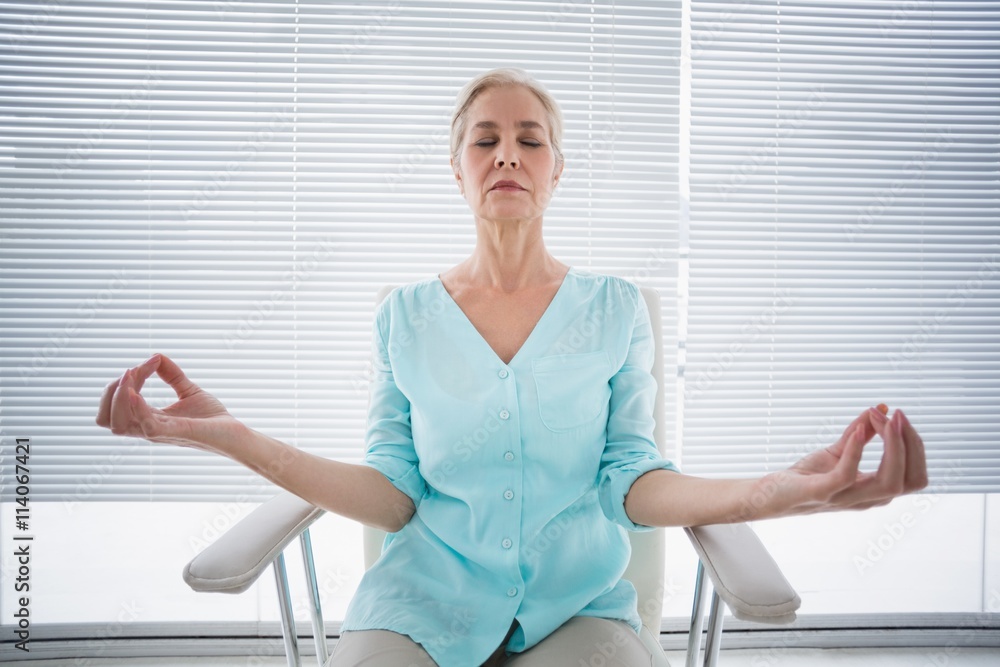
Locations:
column 493, row 419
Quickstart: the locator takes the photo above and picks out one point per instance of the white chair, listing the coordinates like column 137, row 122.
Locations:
column 743, row 574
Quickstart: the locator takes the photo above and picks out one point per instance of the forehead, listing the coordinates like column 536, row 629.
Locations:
column 514, row 106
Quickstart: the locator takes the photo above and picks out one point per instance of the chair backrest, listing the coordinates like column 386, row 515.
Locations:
column 645, row 569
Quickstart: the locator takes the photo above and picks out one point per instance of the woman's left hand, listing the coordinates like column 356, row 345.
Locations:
column 830, row 479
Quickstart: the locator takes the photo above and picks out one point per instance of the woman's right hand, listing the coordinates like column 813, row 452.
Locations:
column 197, row 419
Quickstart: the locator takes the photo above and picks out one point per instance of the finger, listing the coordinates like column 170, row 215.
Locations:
column 837, row 448
column 142, row 372
column 143, row 415
column 877, row 420
column 172, row 374
column 137, row 377
column 916, row 458
column 868, row 427
column 892, row 468
column 104, row 407
column 121, row 408
column 865, row 491
column 846, row 471
column 871, row 422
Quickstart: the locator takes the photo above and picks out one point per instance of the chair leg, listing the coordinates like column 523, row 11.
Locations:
column 287, row 616
column 715, row 613
column 697, row 611
column 315, row 608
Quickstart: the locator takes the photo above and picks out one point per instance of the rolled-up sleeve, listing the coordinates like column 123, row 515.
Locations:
column 631, row 450
column 389, row 438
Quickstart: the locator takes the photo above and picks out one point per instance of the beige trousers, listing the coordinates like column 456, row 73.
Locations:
column 582, row 641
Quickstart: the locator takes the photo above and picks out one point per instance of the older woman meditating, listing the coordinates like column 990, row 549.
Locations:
column 492, row 418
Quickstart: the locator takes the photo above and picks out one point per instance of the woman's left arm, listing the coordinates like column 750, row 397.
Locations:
column 825, row 480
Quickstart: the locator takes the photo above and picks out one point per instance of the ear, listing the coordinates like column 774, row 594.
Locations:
column 458, row 175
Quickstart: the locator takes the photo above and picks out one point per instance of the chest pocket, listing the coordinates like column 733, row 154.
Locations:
column 572, row 388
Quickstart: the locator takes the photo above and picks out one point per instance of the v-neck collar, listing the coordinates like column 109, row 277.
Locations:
column 534, row 330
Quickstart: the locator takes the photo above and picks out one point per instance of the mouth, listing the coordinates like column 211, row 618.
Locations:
column 507, row 186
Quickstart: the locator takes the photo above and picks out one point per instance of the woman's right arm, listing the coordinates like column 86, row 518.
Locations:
column 198, row 420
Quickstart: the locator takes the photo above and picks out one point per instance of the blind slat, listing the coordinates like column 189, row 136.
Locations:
column 230, row 184
column 843, row 236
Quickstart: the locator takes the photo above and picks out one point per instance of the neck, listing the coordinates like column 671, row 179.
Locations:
column 510, row 256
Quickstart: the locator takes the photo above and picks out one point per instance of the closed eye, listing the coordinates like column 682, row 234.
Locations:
column 490, row 142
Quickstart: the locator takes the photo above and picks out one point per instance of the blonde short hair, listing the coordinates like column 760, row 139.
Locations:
column 501, row 78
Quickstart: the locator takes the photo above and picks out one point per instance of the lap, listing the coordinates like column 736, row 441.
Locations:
column 378, row 648
column 384, row 648
column 586, row 641
column 582, row 641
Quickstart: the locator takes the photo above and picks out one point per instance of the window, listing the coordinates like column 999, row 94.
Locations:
column 230, row 183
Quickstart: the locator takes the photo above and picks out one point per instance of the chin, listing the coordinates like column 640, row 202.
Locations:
column 501, row 214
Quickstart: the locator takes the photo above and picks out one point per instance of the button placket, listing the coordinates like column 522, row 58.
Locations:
column 510, row 392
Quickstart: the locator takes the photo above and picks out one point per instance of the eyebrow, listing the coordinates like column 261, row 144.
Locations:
column 490, row 125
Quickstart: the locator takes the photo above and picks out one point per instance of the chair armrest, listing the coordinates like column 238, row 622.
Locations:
column 744, row 574
column 234, row 561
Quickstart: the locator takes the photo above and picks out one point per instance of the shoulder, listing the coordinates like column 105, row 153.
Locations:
column 607, row 287
column 608, row 279
column 406, row 292
column 400, row 299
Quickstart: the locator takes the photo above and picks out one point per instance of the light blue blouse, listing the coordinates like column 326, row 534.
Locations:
column 518, row 471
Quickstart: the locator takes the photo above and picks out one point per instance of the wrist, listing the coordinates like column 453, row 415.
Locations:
column 263, row 454
column 232, row 439
column 763, row 500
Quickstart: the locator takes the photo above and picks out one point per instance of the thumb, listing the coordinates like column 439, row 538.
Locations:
column 846, row 470
column 159, row 426
column 172, row 374
column 144, row 415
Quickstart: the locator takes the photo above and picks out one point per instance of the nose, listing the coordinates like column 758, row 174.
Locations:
column 499, row 160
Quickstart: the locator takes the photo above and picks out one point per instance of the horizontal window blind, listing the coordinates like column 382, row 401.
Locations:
column 230, row 184
column 845, row 199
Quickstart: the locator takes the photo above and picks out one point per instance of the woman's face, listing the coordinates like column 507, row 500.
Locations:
column 507, row 139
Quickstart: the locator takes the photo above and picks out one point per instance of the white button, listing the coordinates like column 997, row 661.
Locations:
column 509, row 456
column 506, row 544
column 511, row 592
column 503, row 373
column 504, row 414
column 508, row 494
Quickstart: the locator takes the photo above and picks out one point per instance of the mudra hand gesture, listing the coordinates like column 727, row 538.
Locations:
column 197, row 419
column 830, row 478
column 825, row 480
